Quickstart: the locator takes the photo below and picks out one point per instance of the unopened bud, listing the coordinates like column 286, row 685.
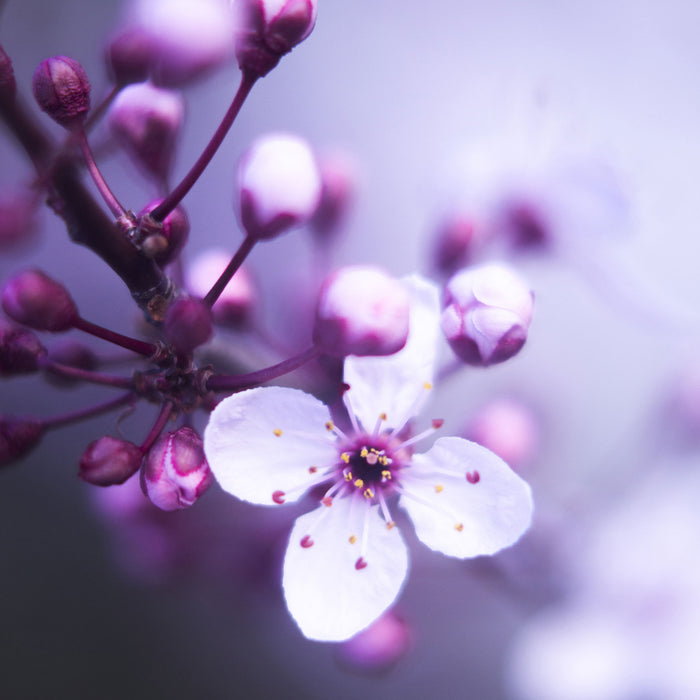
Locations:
column 234, row 306
column 148, row 121
column 35, row 300
column 361, row 311
column 18, row 219
column 175, row 471
column 268, row 29
column 108, row 461
column 525, row 225
column 338, row 178
column 8, row 86
column 70, row 353
column 129, row 56
column 507, row 427
column 278, row 187
column 20, row 350
column 188, row 324
column 377, row 648
column 163, row 240
column 454, row 243
column 17, row 437
column 187, row 38
column 62, row 90
column 487, row 314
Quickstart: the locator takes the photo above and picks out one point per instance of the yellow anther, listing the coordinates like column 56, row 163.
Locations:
column 384, row 460
column 359, row 483
column 427, row 386
column 348, row 476
column 438, row 488
column 382, row 416
column 368, row 493
column 459, row 527
column 277, row 432
column 391, row 524
column 330, row 425
column 386, row 475
column 345, row 457
column 364, row 452
column 352, row 539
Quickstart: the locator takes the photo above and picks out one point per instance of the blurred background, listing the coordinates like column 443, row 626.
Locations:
column 589, row 113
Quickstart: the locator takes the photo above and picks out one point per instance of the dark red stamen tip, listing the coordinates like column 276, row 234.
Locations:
column 278, row 497
column 438, row 423
column 327, row 501
column 473, row 477
column 360, row 564
column 344, row 387
column 306, row 541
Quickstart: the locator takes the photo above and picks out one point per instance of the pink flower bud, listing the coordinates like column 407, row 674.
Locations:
column 20, row 350
column 18, row 219
column 361, row 311
column 147, row 120
column 235, row 304
column 279, row 185
column 507, row 427
column 187, row 38
column 338, row 178
column 268, row 29
column 129, row 56
column 108, row 461
column 175, row 472
column 62, row 90
column 8, row 86
column 525, row 225
column 17, row 437
column 35, row 300
column 378, row 647
column 188, row 324
column 164, row 240
column 72, row 354
column 487, row 314
column 454, row 243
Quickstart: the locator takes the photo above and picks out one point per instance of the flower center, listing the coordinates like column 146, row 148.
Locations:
column 369, row 465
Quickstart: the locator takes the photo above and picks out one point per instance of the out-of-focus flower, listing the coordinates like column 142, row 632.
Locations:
column 234, row 306
column 487, row 314
column 108, row 461
column 8, row 86
column 346, row 562
column 268, row 29
column 187, row 38
column 278, row 185
column 148, row 120
column 35, row 300
column 339, row 181
column 62, row 90
column 20, row 350
column 128, row 56
column 17, row 437
column 175, row 472
column 361, row 311
column 188, row 324
column 454, row 242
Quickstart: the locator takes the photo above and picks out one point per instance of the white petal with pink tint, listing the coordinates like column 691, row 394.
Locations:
column 464, row 501
column 396, row 384
column 267, row 440
column 331, row 596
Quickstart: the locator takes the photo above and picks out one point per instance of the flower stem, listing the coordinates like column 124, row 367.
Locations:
column 110, row 199
column 157, row 428
column 137, row 346
column 85, row 413
column 176, row 196
column 234, row 382
column 236, row 261
column 88, row 376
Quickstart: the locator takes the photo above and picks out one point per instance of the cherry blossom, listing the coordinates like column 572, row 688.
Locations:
column 346, row 562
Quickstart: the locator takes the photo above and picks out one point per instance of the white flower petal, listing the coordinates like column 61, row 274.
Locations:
column 328, row 596
column 457, row 517
column 395, row 384
column 269, row 439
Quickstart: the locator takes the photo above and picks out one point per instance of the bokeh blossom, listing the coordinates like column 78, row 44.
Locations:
column 346, row 562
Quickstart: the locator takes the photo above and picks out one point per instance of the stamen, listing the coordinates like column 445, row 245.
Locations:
column 313, row 470
column 306, row 542
column 347, row 475
column 436, row 425
column 359, row 483
column 386, row 476
column 385, row 512
column 345, row 456
column 351, row 413
column 352, row 539
column 331, row 427
column 368, row 493
column 278, row 497
column 277, row 432
column 459, row 526
column 473, row 477
column 378, row 425
column 360, row 564
column 439, row 488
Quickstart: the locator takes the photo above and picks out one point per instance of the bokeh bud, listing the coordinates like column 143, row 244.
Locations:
column 278, row 185
column 108, row 461
column 361, row 311
column 454, row 243
column 20, row 350
column 487, row 314
column 71, row 353
column 129, row 56
column 17, row 437
column 175, row 471
column 338, row 178
column 62, row 90
column 188, row 324
column 35, row 300
column 148, row 120
column 8, row 86
column 235, row 304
